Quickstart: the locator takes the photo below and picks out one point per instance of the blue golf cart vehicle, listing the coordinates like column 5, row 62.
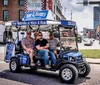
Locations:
column 71, row 63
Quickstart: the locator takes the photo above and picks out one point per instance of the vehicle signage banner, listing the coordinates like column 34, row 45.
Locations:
column 10, row 48
column 36, row 15
column 35, row 22
column 68, row 23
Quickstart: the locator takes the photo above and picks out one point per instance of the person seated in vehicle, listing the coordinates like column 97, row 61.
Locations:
column 35, row 50
column 35, row 36
column 28, row 45
column 42, row 47
column 53, row 44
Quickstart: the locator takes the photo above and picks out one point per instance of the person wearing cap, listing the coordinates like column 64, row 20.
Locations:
column 28, row 45
column 53, row 44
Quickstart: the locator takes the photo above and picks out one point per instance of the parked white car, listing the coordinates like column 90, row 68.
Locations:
column 88, row 42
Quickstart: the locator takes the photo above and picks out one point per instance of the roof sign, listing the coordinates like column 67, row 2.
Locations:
column 38, row 15
column 68, row 23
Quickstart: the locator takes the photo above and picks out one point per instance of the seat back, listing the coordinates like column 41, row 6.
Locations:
column 18, row 48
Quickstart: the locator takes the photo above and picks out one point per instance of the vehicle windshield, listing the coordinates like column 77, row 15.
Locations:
column 67, row 37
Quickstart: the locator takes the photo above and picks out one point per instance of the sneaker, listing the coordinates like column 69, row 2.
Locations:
column 32, row 64
column 47, row 66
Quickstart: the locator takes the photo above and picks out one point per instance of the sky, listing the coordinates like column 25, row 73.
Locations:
column 83, row 15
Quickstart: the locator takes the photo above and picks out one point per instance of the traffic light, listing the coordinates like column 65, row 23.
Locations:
column 85, row 2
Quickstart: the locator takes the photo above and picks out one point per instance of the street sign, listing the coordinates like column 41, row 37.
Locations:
column 68, row 23
column 35, row 22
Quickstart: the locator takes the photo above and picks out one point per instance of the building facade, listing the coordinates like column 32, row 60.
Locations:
column 89, row 33
column 14, row 10
column 96, row 18
column 11, row 10
column 57, row 9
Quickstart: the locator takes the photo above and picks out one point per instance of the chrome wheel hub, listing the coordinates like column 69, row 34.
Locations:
column 66, row 74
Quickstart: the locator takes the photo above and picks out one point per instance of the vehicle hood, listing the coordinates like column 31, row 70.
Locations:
column 73, row 54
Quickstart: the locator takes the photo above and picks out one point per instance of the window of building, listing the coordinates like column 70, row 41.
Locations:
column 5, row 2
column 21, row 14
column 21, row 2
column 58, row 10
column 57, row 18
column 5, row 15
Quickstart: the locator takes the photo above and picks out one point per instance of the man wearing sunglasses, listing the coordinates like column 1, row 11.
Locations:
column 28, row 45
column 42, row 47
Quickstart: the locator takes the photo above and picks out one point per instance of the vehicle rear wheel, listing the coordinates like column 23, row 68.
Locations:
column 85, row 70
column 68, row 73
column 33, row 68
column 14, row 65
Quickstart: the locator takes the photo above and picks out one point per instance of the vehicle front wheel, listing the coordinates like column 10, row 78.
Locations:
column 68, row 73
column 85, row 70
column 14, row 65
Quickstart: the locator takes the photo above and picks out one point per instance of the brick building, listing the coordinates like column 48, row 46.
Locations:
column 11, row 10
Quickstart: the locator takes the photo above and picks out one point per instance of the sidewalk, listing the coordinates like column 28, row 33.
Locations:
column 93, row 61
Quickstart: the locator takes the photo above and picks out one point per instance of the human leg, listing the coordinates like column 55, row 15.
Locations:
column 44, row 55
column 53, row 57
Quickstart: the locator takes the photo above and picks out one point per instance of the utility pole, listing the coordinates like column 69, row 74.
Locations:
column 71, row 15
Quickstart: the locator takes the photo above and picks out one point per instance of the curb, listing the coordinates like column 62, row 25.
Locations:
column 94, row 62
column 2, row 62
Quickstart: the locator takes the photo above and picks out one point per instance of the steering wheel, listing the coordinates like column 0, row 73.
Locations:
column 66, row 48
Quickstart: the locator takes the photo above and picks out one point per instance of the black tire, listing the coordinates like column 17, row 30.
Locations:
column 33, row 68
column 73, row 71
column 87, row 70
column 17, row 67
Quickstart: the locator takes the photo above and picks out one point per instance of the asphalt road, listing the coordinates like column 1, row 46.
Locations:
column 40, row 77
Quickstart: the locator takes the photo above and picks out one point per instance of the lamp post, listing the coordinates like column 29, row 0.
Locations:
column 71, row 15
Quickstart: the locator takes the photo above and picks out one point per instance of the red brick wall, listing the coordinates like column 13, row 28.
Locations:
column 13, row 10
column 44, row 4
column 14, row 7
column 50, row 5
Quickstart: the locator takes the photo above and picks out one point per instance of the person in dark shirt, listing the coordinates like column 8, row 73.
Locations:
column 42, row 47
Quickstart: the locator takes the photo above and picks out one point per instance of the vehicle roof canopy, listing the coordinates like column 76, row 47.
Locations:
column 43, row 17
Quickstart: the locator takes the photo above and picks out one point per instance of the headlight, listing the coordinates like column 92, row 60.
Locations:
column 84, row 59
column 72, row 59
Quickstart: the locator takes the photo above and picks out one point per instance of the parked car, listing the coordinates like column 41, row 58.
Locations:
column 88, row 42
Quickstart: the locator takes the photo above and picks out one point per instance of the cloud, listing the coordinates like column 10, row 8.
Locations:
column 71, row 5
column 83, row 15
